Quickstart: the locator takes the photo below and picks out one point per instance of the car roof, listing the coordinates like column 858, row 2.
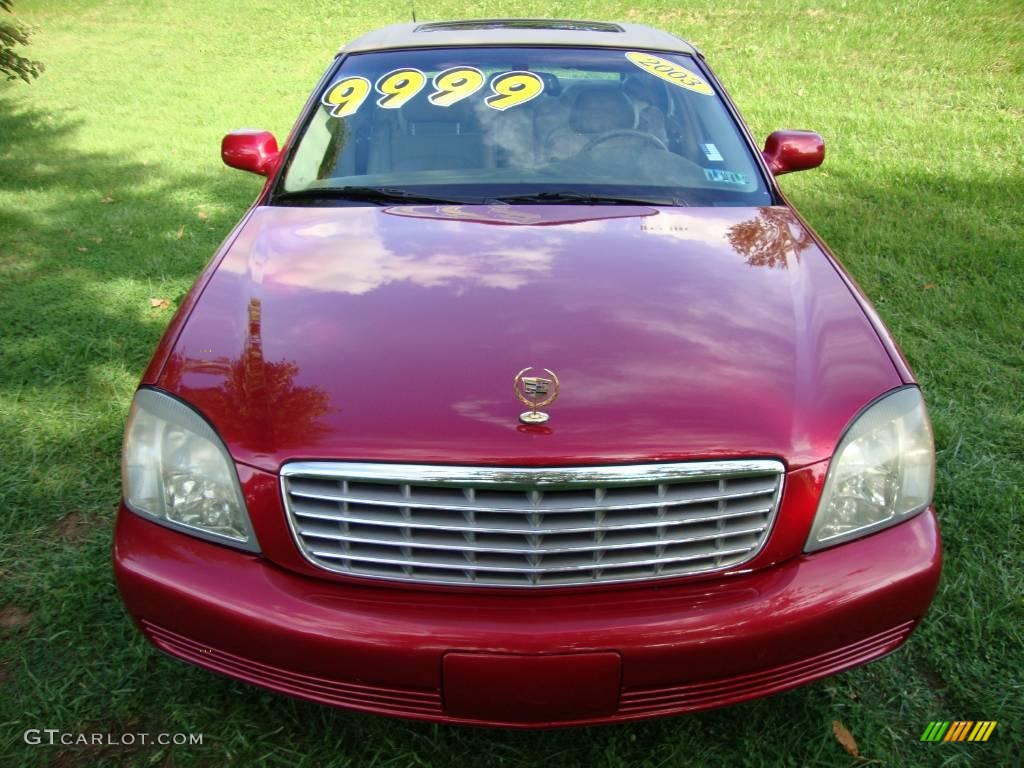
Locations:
column 511, row 32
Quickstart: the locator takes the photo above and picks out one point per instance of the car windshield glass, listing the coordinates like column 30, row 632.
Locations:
column 544, row 125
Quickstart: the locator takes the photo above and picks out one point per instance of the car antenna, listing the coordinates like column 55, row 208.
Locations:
column 412, row 7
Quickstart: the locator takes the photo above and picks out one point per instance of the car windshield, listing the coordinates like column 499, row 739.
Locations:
column 522, row 125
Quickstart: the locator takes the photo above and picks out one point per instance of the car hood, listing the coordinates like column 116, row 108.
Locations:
column 394, row 334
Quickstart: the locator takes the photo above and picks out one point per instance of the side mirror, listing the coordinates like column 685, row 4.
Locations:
column 250, row 150
column 788, row 151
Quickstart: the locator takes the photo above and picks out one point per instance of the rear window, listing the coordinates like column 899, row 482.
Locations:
column 482, row 123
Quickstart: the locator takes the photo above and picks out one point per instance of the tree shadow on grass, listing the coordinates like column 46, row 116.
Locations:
column 86, row 239
column 81, row 232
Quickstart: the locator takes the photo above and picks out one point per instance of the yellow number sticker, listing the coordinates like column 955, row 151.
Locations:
column 670, row 72
column 455, row 84
column 346, row 96
column 513, row 88
column 398, row 86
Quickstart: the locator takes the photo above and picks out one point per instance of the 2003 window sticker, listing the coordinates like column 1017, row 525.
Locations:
column 399, row 86
column 670, row 72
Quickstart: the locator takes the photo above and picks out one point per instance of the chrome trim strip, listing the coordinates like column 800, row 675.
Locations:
column 527, row 531
column 553, row 478
column 532, row 551
column 527, row 510
column 531, row 569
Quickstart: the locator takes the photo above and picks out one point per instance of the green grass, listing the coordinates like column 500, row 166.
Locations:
column 922, row 196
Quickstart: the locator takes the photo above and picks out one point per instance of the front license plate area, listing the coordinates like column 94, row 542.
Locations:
column 506, row 688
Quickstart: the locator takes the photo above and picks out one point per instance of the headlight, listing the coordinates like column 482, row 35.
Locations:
column 882, row 473
column 177, row 472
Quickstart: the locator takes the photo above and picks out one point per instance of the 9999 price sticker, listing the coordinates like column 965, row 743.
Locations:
column 397, row 87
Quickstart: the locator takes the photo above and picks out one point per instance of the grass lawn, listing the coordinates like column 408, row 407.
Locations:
column 112, row 194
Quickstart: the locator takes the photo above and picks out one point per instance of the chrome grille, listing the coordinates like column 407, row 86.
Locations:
column 530, row 527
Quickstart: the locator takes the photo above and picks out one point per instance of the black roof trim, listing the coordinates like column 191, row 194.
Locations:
column 553, row 24
column 474, row 33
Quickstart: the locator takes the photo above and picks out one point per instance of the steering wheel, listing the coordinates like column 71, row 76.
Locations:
column 625, row 132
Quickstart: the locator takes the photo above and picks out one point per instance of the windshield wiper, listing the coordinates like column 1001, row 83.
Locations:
column 374, row 195
column 586, row 198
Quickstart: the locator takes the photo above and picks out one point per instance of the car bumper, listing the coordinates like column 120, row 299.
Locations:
column 532, row 659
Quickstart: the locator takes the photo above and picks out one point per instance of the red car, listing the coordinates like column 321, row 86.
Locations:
column 523, row 397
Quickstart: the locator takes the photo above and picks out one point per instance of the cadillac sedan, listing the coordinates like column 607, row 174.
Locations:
column 522, row 396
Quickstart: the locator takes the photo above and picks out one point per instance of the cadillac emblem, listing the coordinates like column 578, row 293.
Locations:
column 535, row 392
